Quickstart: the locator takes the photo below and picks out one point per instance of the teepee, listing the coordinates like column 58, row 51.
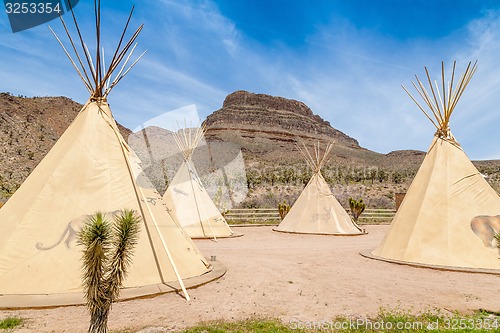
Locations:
column 193, row 209
column 445, row 217
column 316, row 210
column 89, row 169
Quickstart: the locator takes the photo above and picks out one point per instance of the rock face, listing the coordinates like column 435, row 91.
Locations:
column 263, row 124
column 29, row 127
column 265, row 114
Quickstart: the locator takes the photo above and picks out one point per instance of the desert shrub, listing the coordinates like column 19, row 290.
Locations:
column 357, row 208
column 283, row 209
column 497, row 238
column 270, row 200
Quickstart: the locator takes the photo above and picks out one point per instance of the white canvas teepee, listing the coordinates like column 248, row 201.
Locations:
column 447, row 217
column 89, row 169
column 193, row 209
column 316, row 210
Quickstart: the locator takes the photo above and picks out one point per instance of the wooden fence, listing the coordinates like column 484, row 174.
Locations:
column 270, row 216
column 267, row 216
column 376, row 216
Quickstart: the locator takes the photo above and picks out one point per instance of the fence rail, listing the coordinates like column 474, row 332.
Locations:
column 270, row 216
column 376, row 216
column 253, row 216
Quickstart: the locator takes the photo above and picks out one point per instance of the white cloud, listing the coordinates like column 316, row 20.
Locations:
column 185, row 117
column 350, row 77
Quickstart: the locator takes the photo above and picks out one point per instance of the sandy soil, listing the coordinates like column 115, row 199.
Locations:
column 292, row 277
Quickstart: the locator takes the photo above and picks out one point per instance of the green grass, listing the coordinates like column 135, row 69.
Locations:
column 245, row 326
column 386, row 321
column 10, row 322
column 402, row 321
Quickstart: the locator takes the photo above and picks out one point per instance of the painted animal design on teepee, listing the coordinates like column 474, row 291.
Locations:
column 109, row 177
column 217, row 220
column 70, row 233
column 486, row 227
column 151, row 201
column 315, row 218
column 179, row 191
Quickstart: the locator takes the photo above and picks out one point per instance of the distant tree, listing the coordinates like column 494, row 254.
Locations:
column 373, row 175
column 305, row 176
column 339, row 175
column 358, row 175
column 253, row 178
column 382, row 176
column 272, row 177
column 397, row 177
column 288, row 175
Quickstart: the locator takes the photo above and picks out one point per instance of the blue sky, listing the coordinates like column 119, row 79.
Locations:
column 345, row 59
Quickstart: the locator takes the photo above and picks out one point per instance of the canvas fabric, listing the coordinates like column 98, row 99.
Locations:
column 433, row 223
column 193, row 209
column 317, row 211
column 89, row 169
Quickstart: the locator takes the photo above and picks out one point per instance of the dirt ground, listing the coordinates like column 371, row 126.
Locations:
column 291, row 277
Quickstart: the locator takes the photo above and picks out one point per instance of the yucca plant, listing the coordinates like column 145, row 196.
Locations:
column 497, row 238
column 107, row 253
column 283, row 209
column 357, row 208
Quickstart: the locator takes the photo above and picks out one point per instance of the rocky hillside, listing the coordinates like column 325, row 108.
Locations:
column 264, row 127
column 259, row 113
column 267, row 127
column 29, row 127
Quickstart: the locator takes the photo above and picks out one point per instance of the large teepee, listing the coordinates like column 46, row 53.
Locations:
column 446, row 216
column 193, row 208
column 89, row 169
column 316, row 210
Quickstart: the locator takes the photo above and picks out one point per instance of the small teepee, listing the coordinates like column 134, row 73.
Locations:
column 193, row 209
column 316, row 210
column 447, row 216
column 89, row 169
